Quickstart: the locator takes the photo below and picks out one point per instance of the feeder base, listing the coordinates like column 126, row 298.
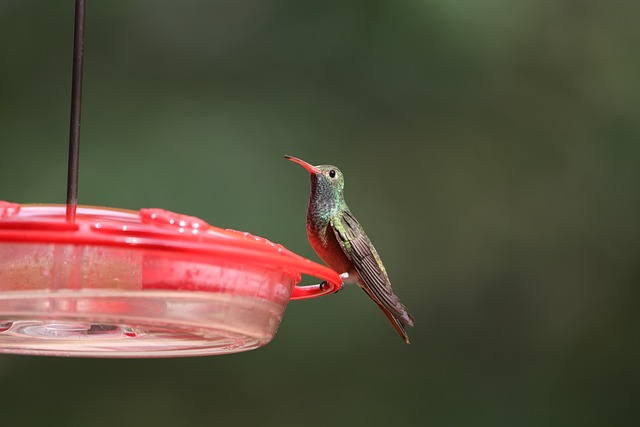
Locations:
column 134, row 324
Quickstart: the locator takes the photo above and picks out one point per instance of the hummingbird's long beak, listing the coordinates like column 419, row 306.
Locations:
column 307, row 166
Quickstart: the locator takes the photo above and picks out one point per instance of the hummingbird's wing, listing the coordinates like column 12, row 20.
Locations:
column 357, row 246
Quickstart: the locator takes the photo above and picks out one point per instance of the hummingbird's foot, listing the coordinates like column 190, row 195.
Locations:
column 344, row 277
column 325, row 285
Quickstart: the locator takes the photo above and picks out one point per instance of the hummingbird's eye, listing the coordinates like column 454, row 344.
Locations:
column 332, row 173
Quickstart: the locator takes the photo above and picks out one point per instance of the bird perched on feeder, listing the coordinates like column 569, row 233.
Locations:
column 340, row 241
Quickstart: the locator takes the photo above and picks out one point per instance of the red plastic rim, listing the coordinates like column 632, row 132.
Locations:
column 160, row 230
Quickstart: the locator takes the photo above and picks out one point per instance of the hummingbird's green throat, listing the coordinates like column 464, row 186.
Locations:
column 327, row 184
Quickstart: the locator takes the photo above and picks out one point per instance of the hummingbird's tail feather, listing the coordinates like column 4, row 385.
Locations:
column 397, row 325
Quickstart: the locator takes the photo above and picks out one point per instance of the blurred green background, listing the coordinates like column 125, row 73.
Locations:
column 490, row 150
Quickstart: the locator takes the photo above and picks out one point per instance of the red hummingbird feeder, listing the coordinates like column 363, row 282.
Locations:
column 99, row 282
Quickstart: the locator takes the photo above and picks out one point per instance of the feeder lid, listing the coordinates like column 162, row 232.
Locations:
column 153, row 283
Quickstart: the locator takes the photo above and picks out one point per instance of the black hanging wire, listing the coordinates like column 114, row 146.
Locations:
column 76, row 104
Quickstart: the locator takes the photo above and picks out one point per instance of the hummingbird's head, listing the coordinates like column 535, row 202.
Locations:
column 326, row 180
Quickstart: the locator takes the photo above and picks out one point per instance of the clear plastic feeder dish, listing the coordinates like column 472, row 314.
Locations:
column 153, row 283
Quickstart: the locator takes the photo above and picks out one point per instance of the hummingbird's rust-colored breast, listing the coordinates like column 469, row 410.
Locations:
column 324, row 242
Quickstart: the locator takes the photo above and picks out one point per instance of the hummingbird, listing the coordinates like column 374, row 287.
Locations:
column 340, row 241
